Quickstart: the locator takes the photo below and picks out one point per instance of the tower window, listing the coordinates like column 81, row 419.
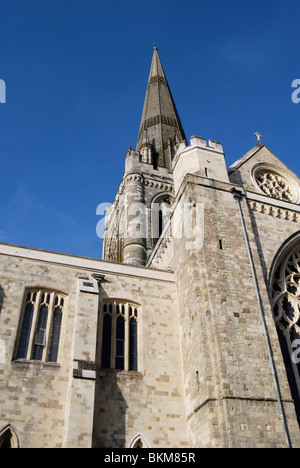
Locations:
column 40, row 330
column 160, row 215
column 119, row 331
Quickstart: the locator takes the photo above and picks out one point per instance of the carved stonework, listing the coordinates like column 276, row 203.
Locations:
column 286, row 305
column 286, row 292
column 274, row 211
column 157, row 79
column 274, row 185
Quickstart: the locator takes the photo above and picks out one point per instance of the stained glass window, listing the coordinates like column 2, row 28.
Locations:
column 286, row 312
column 133, row 349
column 40, row 334
column 25, row 332
column 119, row 336
column 120, row 345
column 40, row 331
column 106, row 341
column 55, row 335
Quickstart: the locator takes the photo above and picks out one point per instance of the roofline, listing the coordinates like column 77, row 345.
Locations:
column 84, row 263
column 245, row 158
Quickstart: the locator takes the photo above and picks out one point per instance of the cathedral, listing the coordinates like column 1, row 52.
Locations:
column 187, row 333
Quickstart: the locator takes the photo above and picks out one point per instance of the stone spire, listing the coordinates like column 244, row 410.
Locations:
column 160, row 125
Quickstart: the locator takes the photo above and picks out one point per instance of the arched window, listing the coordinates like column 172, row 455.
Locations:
column 55, row 334
column 8, row 438
column 119, row 349
column 40, row 333
column 133, row 344
column 106, row 336
column 285, row 300
column 139, row 441
column 40, row 330
column 120, row 339
column 161, row 209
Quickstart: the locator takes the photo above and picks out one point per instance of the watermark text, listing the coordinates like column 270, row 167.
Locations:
column 2, row 92
column 296, row 93
column 137, row 221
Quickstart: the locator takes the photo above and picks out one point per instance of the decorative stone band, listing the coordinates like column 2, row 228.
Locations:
column 157, row 120
column 275, row 212
column 134, row 178
column 84, row 369
column 149, row 182
column 160, row 185
column 156, row 79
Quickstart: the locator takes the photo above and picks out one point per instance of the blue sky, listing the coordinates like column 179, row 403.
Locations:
column 76, row 75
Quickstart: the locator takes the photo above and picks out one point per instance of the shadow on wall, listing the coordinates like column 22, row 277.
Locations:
column 2, row 297
column 110, row 412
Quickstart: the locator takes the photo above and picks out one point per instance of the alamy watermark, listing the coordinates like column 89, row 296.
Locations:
column 296, row 354
column 2, row 92
column 2, row 352
column 138, row 221
column 296, row 93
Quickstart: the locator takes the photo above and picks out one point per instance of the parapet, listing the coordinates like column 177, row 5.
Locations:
column 202, row 143
column 201, row 157
column 132, row 162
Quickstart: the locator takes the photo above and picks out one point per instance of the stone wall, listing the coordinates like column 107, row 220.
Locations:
column 73, row 403
column 230, row 395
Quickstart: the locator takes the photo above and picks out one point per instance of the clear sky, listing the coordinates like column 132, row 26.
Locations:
column 76, row 75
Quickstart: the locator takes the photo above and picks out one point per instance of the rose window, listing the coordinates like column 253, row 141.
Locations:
column 274, row 185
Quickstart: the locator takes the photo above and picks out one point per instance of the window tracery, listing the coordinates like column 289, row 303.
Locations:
column 274, row 185
column 285, row 300
column 39, row 336
column 119, row 348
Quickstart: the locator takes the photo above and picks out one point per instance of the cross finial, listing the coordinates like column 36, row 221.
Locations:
column 155, row 46
column 258, row 136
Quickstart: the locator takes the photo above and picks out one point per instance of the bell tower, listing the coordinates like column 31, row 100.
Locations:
column 137, row 216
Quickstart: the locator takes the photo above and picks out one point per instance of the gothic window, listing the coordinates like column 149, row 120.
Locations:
column 120, row 340
column 8, row 438
column 106, row 335
column 273, row 184
column 119, row 348
column 133, row 345
column 5, row 441
column 160, row 215
column 138, row 442
column 55, row 335
column 286, row 311
column 40, row 331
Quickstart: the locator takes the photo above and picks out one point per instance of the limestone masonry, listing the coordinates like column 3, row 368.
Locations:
column 187, row 333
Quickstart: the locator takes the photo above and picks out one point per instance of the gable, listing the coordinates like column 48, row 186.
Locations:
column 262, row 172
